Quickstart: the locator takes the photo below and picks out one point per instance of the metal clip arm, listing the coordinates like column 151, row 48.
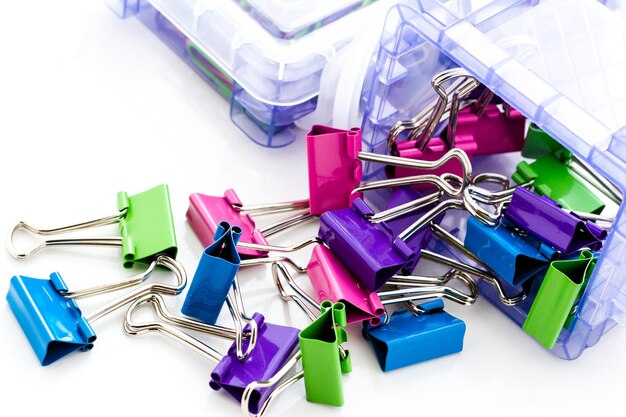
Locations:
column 43, row 243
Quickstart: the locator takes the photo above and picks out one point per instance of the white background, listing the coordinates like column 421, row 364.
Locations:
column 91, row 105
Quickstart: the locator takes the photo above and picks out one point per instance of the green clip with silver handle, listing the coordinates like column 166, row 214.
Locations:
column 147, row 228
column 554, row 178
column 539, row 143
column 323, row 359
column 556, row 303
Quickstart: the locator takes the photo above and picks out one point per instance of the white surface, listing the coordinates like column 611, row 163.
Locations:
column 91, row 105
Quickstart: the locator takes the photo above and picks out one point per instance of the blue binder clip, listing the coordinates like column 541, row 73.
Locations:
column 54, row 323
column 427, row 332
column 215, row 275
column 513, row 255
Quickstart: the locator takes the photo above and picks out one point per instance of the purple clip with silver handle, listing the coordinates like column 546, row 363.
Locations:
column 275, row 346
column 545, row 219
column 370, row 250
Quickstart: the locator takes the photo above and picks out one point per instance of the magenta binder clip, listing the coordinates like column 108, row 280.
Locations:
column 436, row 149
column 335, row 169
column 332, row 281
column 545, row 219
column 206, row 212
column 493, row 131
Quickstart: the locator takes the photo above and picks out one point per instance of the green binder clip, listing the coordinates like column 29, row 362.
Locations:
column 554, row 178
column 323, row 358
column 146, row 227
column 557, row 300
column 320, row 343
column 538, row 144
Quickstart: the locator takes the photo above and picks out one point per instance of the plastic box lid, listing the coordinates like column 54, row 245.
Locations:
column 290, row 19
column 273, row 70
column 562, row 63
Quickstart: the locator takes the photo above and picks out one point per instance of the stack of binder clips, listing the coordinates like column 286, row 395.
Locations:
column 527, row 240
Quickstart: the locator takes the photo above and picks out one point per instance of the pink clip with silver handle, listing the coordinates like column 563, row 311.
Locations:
column 334, row 168
column 493, row 131
column 436, row 149
column 332, row 281
column 206, row 212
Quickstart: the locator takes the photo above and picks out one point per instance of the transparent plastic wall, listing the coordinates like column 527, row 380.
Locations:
column 562, row 63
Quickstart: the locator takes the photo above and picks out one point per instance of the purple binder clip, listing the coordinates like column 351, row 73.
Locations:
column 545, row 219
column 370, row 250
column 402, row 199
column 274, row 347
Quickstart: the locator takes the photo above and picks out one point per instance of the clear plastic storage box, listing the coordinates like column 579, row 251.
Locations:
column 562, row 63
column 266, row 57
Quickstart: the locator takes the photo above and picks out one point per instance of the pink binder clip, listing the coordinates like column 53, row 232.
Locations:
column 335, row 169
column 420, row 144
column 436, row 149
column 206, row 212
column 332, row 281
column 493, row 131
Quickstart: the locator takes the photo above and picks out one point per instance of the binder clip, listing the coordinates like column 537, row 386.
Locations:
column 514, row 256
column 145, row 222
column 493, row 131
column 323, row 358
column 367, row 246
column 556, row 302
column 538, row 144
column 422, row 333
column 214, row 276
column 556, row 180
column 54, row 323
column 332, row 281
column 355, row 234
column 546, row 220
column 420, row 144
column 275, row 346
column 404, row 200
column 482, row 271
column 206, row 212
column 334, row 183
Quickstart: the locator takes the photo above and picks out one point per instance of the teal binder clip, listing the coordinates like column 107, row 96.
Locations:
column 52, row 320
column 511, row 254
column 417, row 335
column 146, row 227
column 557, row 300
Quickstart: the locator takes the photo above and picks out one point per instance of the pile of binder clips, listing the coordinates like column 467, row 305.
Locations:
column 529, row 248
